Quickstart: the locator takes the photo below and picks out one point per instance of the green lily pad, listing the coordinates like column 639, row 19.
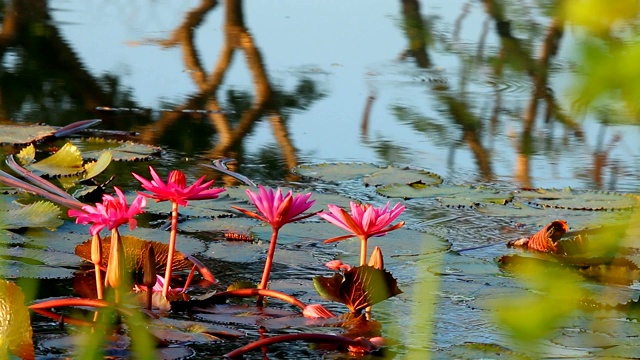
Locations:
column 397, row 247
column 234, row 314
column 66, row 161
column 335, row 171
column 405, row 176
column 39, row 214
column 448, row 195
column 215, row 208
column 578, row 200
column 321, row 199
column 190, row 331
column 15, row 324
column 479, row 351
column 122, row 151
column 20, row 134
column 40, row 256
column 11, row 269
column 95, row 168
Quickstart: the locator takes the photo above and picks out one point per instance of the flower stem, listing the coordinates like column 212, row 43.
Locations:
column 268, row 264
column 314, row 338
column 96, row 258
column 172, row 248
column 261, row 292
column 363, row 251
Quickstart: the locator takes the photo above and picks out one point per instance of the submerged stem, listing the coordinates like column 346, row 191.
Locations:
column 172, row 248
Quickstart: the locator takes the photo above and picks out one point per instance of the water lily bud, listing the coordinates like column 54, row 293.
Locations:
column 177, row 177
column 376, row 261
column 149, row 271
column 96, row 249
column 115, row 268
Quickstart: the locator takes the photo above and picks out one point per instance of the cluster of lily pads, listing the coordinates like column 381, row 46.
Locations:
column 126, row 266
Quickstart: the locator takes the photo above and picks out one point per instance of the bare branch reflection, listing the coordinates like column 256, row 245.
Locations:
column 230, row 129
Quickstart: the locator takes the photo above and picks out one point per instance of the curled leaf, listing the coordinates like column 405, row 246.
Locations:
column 358, row 288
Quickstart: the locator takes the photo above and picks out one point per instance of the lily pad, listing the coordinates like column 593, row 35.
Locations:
column 397, row 247
column 20, row 134
column 578, row 200
column 95, row 168
column 235, row 314
column 202, row 208
column 66, row 161
column 335, row 171
column 190, row 331
column 455, row 196
column 479, row 351
column 11, row 269
column 39, row 214
column 92, row 148
column 40, row 256
column 15, row 324
column 321, row 199
column 134, row 249
column 405, row 176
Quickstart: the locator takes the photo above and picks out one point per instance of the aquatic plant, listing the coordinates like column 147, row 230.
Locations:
column 176, row 191
column 363, row 222
column 276, row 209
column 111, row 213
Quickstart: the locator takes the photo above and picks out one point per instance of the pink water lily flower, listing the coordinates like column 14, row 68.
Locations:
column 363, row 222
column 277, row 210
column 111, row 213
column 176, row 189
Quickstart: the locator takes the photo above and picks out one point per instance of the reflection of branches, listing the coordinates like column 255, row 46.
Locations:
column 414, row 27
column 236, row 37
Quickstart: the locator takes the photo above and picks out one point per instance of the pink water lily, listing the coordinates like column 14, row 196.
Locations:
column 176, row 191
column 363, row 222
column 111, row 213
column 277, row 210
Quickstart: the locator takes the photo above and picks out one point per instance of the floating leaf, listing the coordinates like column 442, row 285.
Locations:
column 134, row 254
column 19, row 134
column 449, row 195
column 406, row 176
column 579, row 200
column 39, row 214
column 66, row 161
column 190, row 331
column 471, row 350
column 27, row 155
column 335, row 171
column 235, row 314
column 358, row 288
column 94, row 168
column 15, row 324
column 321, row 199
column 12, row 269
column 121, row 151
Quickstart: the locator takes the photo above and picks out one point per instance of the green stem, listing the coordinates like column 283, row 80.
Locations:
column 268, row 264
column 172, row 248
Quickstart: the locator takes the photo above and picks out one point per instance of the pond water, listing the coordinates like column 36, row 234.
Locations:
column 476, row 92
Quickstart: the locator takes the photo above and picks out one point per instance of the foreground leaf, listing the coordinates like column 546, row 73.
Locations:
column 358, row 288
column 15, row 326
